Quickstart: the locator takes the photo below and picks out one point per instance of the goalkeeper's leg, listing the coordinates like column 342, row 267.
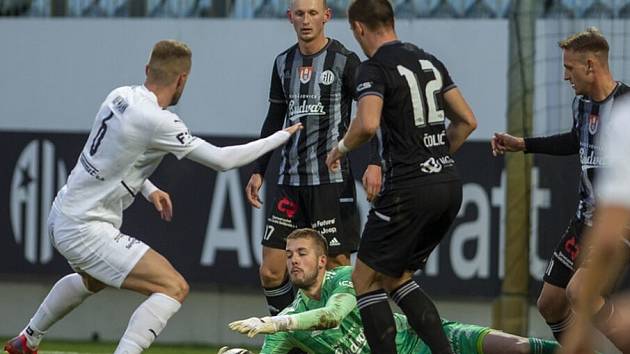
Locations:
column 497, row 342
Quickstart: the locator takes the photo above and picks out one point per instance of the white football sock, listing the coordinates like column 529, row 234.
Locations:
column 146, row 323
column 68, row 293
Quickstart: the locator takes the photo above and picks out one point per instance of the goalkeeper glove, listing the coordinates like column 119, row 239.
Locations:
column 265, row 325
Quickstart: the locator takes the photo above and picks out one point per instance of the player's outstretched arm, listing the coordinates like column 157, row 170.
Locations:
column 497, row 342
column 504, row 142
column 463, row 121
column 229, row 157
column 330, row 316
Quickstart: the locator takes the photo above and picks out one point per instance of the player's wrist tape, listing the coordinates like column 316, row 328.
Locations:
column 281, row 322
column 341, row 146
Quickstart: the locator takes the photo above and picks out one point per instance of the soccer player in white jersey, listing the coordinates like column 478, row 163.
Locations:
column 131, row 134
column 610, row 228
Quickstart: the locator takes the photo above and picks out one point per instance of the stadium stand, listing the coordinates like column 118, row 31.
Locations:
column 406, row 9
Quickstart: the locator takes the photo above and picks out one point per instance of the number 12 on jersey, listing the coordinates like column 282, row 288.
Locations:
column 418, row 97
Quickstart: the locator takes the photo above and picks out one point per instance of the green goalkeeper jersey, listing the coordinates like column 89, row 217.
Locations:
column 348, row 337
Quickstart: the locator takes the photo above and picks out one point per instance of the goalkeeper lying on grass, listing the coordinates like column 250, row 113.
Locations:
column 324, row 318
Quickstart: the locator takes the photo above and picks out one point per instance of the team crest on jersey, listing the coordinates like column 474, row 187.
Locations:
column 305, row 74
column 593, row 123
column 327, row 77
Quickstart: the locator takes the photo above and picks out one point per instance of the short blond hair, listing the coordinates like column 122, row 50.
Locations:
column 169, row 58
column 320, row 242
column 590, row 40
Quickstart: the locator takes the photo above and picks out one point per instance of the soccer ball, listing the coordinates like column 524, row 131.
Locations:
column 225, row 350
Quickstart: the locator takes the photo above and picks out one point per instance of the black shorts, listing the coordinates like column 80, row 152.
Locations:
column 563, row 262
column 330, row 209
column 404, row 226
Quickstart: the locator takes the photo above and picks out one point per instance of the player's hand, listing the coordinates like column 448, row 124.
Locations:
column 252, row 189
column 504, row 142
column 162, row 202
column 265, row 325
column 333, row 159
column 372, row 180
column 226, row 350
column 294, row 128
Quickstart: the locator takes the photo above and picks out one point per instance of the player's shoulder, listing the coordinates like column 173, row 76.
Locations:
column 622, row 89
column 287, row 51
column 340, row 273
column 136, row 97
column 141, row 105
column 338, row 47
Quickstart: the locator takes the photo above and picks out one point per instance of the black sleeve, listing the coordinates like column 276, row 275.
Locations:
column 375, row 156
column 350, row 75
column 559, row 144
column 447, row 81
column 276, row 92
column 273, row 122
column 370, row 80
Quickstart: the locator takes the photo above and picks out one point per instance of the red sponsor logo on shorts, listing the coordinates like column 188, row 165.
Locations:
column 287, row 206
column 572, row 248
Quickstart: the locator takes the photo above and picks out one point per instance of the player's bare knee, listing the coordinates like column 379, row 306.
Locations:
column 271, row 276
column 573, row 289
column 177, row 288
column 552, row 308
column 364, row 283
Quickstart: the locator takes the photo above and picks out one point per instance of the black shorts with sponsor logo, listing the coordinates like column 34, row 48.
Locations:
column 405, row 225
column 563, row 262
column 328, row 208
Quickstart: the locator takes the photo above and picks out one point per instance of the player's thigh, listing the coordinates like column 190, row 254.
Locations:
column 497, row 342
column 97, row 249
column 437, row 207
column 285, row 216
column 388, row 235
column 564, row 260
column 364, row 278
column 405, row 225
column 153, row 273
column 331, row 209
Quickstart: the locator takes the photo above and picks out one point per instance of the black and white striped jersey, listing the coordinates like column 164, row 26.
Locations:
column 589, row 118
column 317, row 90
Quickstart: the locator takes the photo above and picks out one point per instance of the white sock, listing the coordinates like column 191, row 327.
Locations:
column 146, row 323
column 68, row 293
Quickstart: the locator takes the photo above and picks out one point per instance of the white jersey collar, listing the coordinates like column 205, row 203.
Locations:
column 145, row 91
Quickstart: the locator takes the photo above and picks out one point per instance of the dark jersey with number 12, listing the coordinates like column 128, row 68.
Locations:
column 412, row 82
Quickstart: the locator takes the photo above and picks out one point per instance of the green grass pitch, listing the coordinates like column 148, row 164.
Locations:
column 57, row 347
